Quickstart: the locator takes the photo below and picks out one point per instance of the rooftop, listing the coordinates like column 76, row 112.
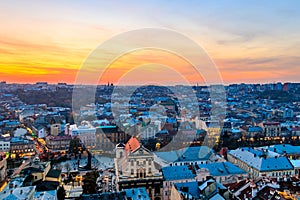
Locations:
column 132, row 144
column 186, row 154
column 45, row 195
column 222, row 168
column 250, row 157
column 177, row 173
column 285, row 148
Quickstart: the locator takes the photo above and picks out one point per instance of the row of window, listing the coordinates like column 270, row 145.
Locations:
column 138, row 162
column 20, row 151
column 188, row 163
column 132, row 171
column 21, row 147
column 279, row 173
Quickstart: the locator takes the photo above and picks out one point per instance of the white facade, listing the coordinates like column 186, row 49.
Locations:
column 5, row 146
column 86, row 134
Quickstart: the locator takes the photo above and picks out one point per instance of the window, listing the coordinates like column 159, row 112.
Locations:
column 132, row 163
column 149, row 170
column 132, row 171
column 137, row 163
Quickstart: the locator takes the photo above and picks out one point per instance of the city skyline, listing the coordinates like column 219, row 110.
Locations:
column 248, row 41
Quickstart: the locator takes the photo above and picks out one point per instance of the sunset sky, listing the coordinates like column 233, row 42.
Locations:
column 249, row 41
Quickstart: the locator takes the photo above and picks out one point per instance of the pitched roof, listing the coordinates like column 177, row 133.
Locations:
column 186, row 154
column 177, row 173
column 132, row 144
column 222, row 169
column 253, row 159
column 285, row 148
column 192, row 188
column 137, row 193
column 55, row 173
column 51, row 194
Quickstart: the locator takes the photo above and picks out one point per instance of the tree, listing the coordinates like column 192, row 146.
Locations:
column 90, row 182
column 61, row 193
column 75, row 145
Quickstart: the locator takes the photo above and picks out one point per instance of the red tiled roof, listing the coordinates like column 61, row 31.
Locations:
column 132, row 144
column 236, row 186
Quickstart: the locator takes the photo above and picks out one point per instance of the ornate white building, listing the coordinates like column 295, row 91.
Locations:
column 135, row 167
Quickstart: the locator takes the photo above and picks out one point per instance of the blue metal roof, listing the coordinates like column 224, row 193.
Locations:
column 222, row 168
column 253, row 151
column 192, row 188
column 285, row 148
column 187, row 154
column 177, row 173
column 252, row 158
column 276, row 163
column 137, row 193
column 171, row 120
column 255, row 129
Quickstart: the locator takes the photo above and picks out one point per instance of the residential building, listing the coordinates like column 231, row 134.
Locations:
column 55, row 129
column 4, row 145
column 22, row 147
column 133, row 194
column 258, row 162
column 292, row 152
column 223, row 172
column 176, row 174
column 15, row 190
column 108, row 136
column 37, row 169
column 209, row 189
column 271, row 129
column 46, row 195
column 87, row 135
column 59, row 142
column 186, row 156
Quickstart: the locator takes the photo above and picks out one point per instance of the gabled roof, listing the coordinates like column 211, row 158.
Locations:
column 132, row 144
column 217, row 197
column 253, row 159
column 120, row 145
column 140, row 150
